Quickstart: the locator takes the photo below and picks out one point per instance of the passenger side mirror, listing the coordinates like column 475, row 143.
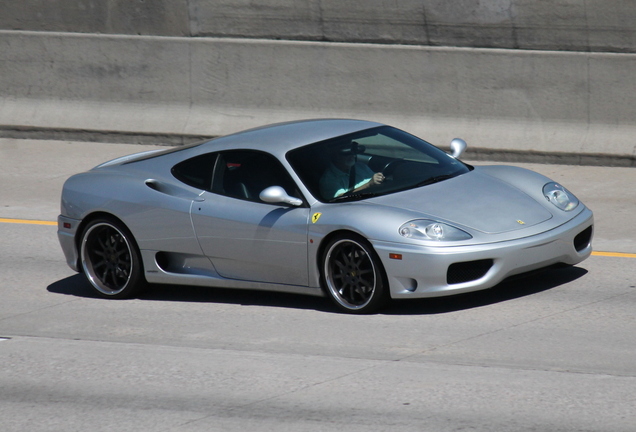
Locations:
column 277, row 195
column 457, row 147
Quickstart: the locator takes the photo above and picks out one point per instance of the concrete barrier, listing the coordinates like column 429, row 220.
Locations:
column 590, row 25
column 564, row 103
column 80, row 69
column 132, row 17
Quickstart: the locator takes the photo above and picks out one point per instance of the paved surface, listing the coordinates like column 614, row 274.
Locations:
column 550, row 353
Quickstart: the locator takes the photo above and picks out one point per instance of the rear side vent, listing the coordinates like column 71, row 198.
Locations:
column 468, row 271
column 583, row 239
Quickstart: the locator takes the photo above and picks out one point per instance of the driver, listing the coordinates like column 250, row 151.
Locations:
column 345, row 175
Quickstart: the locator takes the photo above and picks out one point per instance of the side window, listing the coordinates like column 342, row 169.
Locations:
column 196, row 172
column 244, row 174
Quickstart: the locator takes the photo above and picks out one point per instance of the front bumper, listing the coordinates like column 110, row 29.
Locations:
column 423, row 271
column 66, row 230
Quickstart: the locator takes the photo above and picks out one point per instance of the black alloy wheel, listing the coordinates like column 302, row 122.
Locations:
column 353, row 275
column 110, row 259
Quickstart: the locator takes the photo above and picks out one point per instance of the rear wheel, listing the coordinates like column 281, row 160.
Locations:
column 111, row 260
column 353, row 275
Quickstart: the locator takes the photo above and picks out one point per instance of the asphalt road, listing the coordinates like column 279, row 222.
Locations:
column 555, row 352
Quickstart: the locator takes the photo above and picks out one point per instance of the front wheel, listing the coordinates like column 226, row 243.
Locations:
column 111, row 260
column 353, row 275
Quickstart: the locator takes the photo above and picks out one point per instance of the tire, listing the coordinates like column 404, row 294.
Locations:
column 353, row 275
column 111, row 260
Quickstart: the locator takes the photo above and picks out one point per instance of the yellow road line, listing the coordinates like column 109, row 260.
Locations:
column 27, row 221
column 614, row 254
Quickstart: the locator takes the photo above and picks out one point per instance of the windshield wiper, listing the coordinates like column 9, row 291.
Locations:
column 435, row 179
column 354, row 197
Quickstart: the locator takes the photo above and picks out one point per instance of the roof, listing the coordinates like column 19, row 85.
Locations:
column 282, row 137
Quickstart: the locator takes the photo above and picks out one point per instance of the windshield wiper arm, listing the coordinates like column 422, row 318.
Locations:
column 435, row 179
column 354, row 197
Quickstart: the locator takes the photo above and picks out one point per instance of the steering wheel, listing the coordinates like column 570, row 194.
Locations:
column 390, row 167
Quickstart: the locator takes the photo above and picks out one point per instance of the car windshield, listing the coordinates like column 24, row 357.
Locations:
column 373, row 162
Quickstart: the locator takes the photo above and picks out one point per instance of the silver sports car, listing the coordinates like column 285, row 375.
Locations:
column 359, row 211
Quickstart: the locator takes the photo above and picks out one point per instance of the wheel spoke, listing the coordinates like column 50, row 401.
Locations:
column 102, row 243
column 341, row 266
column 359, row 257
column 345, row 257
column 104, row 275
column 365, row 272
column 347, row 291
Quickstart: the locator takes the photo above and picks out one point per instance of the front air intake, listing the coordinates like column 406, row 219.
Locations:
column 583, row 239
column 468, row 271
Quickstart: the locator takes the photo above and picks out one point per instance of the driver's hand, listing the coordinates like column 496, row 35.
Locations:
column 377, row 178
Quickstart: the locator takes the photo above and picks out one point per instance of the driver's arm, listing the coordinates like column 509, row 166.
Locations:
column 377, row 179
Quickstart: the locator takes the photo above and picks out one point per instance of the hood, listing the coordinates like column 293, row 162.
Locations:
column 473, row 200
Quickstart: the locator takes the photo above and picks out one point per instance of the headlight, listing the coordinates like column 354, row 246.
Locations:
column 560, row 196
column 425, row 229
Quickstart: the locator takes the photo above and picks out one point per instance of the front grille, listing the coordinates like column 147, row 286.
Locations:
column 467, row 271
column 582, row 240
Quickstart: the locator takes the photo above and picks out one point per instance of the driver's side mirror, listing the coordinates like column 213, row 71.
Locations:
column 277, row 195
column 457, row 146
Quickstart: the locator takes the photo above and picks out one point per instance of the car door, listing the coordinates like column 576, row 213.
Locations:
column 244, row 237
